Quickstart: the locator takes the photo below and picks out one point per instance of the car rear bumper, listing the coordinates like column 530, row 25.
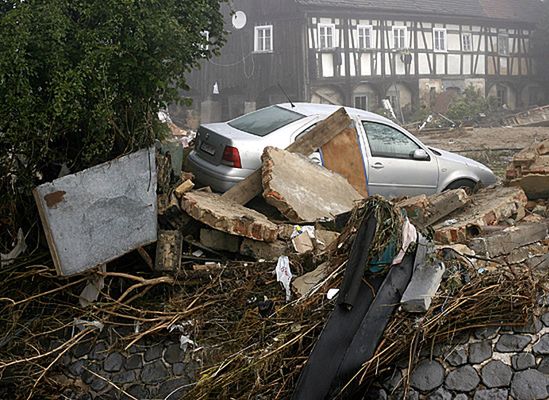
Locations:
column 220, row 178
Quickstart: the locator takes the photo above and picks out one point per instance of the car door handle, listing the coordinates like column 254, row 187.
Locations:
column 378, row 165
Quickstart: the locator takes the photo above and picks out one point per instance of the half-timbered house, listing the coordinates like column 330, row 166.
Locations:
column 358, row 52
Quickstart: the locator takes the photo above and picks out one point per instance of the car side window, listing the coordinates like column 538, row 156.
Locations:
column 308, row 129
column 388, row 142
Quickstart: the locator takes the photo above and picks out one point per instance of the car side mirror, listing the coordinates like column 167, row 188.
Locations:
column 420, row 154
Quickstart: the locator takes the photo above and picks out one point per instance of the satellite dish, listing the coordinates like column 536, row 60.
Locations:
column 239, row 19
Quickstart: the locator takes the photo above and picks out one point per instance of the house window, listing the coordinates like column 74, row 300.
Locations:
column 361, row 102
column 503, row 44
column 364, row 36
column 439, row 39
column 326, row 33
column 263, row 39
column 501, row 95
column 467, row 42
column 399, row 37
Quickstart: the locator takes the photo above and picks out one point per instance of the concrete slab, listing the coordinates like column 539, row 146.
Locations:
column 218, row 240
column 423, row 286
column 101, row 213
column 264, row 250
column 228, row 216
column 425, row 210
column 508, row 240
column 488, row 207
column 302, row 190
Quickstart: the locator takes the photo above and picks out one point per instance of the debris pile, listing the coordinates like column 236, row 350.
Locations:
column 310, row 290
column 529, row 169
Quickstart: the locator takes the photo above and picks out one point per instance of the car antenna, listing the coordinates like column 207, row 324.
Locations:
column 285, row 94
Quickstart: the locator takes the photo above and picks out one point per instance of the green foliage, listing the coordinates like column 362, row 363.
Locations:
column 82, row 81
column 470, row 104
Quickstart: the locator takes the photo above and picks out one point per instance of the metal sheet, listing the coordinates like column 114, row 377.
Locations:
column 101, row 213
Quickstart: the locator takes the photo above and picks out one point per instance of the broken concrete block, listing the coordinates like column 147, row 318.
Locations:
column 228, row 216
column 101, row 213
column 509, row 239
column 304, row 283
column 324, row 238
column 423, row 286
column 184, row 188
column 302, row 190
column 425, row 210
column 536, row 186
column 488, row 207
column 303, row 243
column 264, row 250
column 218, row 240
column 168, row 251
column 529, row 169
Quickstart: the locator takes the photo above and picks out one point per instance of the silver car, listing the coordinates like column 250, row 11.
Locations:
column 397, row 163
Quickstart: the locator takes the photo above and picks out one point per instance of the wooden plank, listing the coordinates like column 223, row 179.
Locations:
column 308, row 143
column 342, row 154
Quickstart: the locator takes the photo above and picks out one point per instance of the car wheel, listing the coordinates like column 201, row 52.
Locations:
column 467, row 184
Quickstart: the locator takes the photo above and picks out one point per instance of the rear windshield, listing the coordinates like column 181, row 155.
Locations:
column 265, row 121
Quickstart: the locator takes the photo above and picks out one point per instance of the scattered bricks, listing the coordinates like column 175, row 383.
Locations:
column 218, row 240
column 424, row 211
column 183, row 188
column 529, row 169
column 488, row 207
column 522, row 361
column 512, row 343
column 463, row 379
column 480, row 351
column 227, row 216
column 496, row 374
column 511, row 238
column 427, row 375
column 263, row 250
column 302, row 190
column 168, row 251
column 422, row 288
column 530, row 384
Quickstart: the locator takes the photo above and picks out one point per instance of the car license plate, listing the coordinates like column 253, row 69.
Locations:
column 206, row 148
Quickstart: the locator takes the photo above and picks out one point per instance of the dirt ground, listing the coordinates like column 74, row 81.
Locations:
column 485, row 139
column 493, row 147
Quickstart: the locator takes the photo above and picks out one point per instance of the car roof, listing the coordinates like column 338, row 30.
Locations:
column 309, row 109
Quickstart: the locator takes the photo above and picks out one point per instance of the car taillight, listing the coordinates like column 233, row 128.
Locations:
column 232, row 157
